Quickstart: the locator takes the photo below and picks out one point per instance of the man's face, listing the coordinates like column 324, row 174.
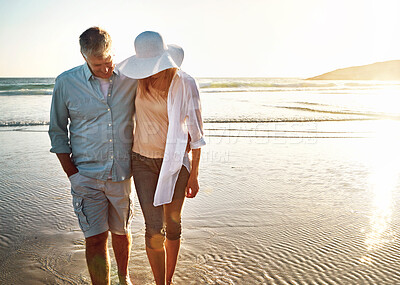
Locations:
column 100, row 67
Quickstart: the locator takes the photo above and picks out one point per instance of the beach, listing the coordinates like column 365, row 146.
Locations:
column 299, row 184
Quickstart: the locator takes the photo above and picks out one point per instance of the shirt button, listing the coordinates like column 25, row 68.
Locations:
column 109, row 125
column 110, row 140
column 77, row 203
column 112, row 157
column 109, row 95
column 108, row 109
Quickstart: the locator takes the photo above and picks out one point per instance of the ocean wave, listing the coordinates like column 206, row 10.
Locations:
column 26, row 86
column 287, row 137
column 217, row 120
column 283, row 120
column 23, row 123
column 258, row 130
column 30, row 86
column 372, row 84
column 271, row 85
column 44, row 86
column 376, row 115
column 25, row 92
column 266, row 84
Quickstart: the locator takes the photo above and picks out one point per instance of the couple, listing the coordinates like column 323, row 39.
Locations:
column 107, row 124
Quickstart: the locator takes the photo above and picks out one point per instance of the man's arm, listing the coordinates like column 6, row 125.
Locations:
column 67, row 164
column 58, row 130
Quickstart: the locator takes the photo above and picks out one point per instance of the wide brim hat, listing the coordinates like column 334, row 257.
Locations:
column 152, row 56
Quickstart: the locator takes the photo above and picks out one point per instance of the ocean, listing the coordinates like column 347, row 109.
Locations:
column 299, row 184
column 26, row 101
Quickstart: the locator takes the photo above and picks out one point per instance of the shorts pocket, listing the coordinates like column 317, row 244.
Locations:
column 78, row 209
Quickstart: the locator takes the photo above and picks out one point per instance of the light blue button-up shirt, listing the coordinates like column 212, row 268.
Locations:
column 97, row 131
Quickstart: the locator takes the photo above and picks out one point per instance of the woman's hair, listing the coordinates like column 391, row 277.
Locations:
column 160, row 81
column 95, row 42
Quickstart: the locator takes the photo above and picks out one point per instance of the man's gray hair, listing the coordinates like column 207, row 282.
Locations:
column 95, row 42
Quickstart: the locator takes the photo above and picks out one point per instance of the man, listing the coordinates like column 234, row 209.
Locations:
column 95, row 151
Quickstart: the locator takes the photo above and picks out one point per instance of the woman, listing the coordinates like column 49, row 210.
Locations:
column 168, row 112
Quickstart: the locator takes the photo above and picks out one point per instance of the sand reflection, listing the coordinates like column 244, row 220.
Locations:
column 383, row 183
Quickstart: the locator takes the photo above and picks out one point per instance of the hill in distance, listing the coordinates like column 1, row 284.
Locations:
column 387, row 70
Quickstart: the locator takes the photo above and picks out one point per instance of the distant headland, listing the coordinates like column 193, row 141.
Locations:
column 387, row 70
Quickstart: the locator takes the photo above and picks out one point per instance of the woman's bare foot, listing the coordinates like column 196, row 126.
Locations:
column 125, row 280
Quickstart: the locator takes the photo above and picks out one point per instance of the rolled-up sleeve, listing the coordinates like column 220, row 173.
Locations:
column 194, row 120
column 58, row 129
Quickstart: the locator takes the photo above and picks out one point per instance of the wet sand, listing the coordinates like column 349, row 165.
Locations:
column 272, row 210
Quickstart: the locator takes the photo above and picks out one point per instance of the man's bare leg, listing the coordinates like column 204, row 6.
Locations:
column 97, row 259
column 122, row 249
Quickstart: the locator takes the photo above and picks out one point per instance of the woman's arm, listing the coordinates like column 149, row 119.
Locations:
column 192, row 187
column 194, row 123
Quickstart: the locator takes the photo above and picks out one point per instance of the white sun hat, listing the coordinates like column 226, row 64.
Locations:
column 152, row 56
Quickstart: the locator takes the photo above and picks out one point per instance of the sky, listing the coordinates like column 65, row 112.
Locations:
column 221, row 38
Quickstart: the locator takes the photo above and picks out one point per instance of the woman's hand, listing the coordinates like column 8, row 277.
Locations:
column 188, row 148
column 192, row 187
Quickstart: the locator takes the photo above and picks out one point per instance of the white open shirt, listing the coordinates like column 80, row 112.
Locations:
column 184, row 117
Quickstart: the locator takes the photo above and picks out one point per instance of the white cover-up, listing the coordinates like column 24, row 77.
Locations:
column 184, row 116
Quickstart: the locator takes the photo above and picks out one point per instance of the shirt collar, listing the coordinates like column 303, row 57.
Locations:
column 88, row 73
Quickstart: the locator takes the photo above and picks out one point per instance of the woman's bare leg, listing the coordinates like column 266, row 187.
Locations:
column 157, row 262
column 172, row 250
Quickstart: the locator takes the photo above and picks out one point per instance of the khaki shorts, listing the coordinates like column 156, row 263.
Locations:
column 102, row 205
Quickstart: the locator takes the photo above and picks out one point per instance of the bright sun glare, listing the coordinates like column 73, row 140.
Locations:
column 384, row 178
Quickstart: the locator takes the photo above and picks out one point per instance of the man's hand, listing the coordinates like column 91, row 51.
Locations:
column 72, row 173
column 67, row 164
